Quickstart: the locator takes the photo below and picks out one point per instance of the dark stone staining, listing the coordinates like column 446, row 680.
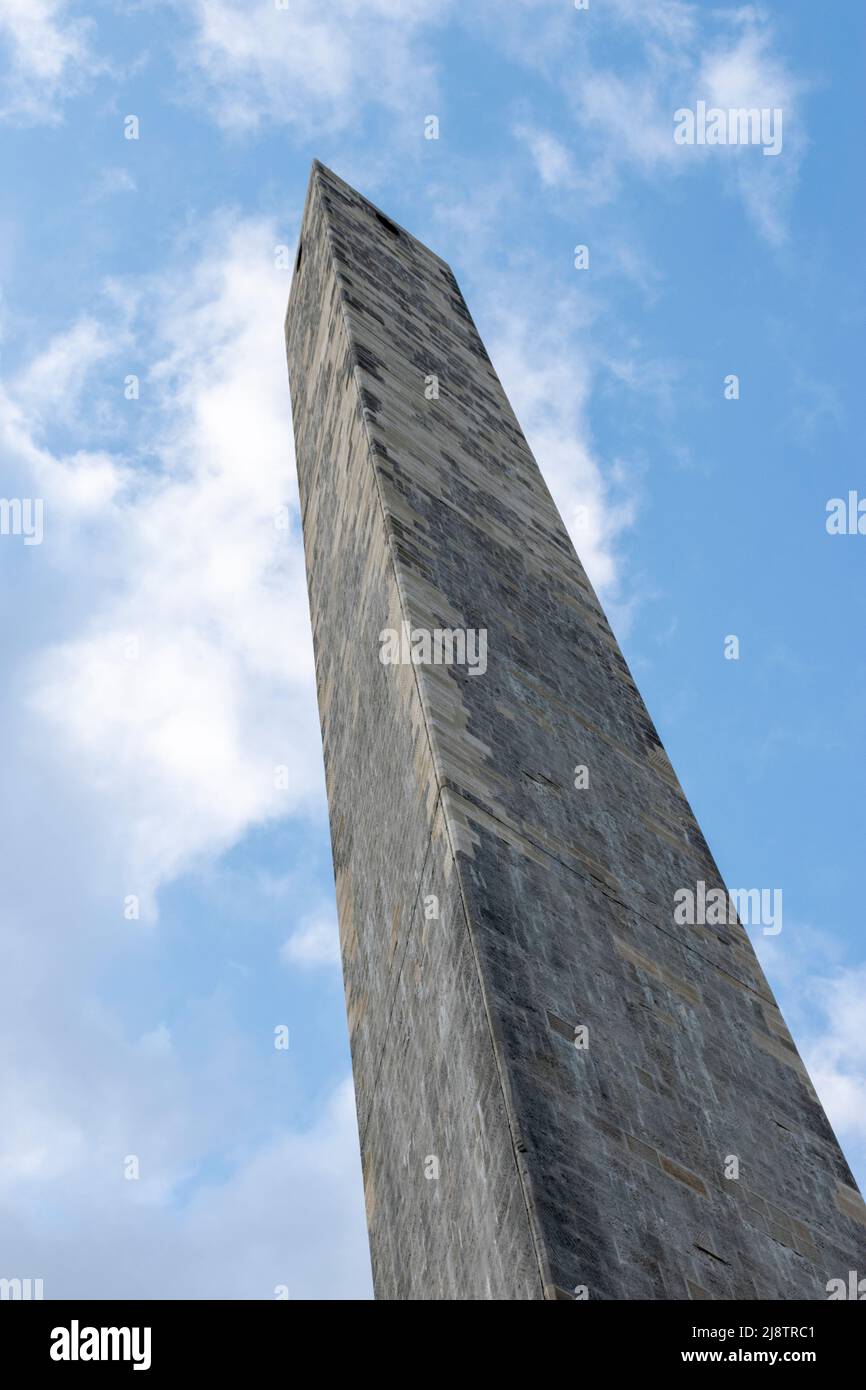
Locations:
column 372, row 405
column 559, row 1025
column 390, row 227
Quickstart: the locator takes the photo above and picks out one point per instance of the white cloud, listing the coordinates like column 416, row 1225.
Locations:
column 311, row 66
column 673, row 20
column 631, row 115
column 121, row 773
column 625, row 113
column 48, row 56
column 315, row 943
column 49, row 388
column 822, row 997
column 747, row 73
column 299, row 1194
column 287, row 1212
column 836, row 1055
column 550, row 156
column 185, row 676
column 112, row 180
column 548, row 382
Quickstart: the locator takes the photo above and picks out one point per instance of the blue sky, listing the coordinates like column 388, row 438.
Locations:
column 157, row 695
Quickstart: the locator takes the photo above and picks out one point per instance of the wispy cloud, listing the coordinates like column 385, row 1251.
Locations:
column 624, row 111
column 746, row 71
column 45, row 58
column 549, row 381
column 309, row 66
column 821, row 995
column 836, row 1052
column 549, row 154
column 315, row 943
column 113, row 180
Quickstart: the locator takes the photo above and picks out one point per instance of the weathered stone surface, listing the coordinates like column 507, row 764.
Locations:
column 555, row 1166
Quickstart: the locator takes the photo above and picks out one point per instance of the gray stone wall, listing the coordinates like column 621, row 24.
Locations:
column 501, row 1161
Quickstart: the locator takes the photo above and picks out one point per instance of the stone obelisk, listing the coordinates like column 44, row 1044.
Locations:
column 563, row 1091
